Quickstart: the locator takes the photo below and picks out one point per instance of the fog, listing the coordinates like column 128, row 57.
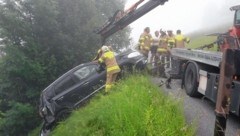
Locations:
column 190, row 16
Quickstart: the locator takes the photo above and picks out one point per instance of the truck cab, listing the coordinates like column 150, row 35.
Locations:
column 235, row 30
column 236, row 21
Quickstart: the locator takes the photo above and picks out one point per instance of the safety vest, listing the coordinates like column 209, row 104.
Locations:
column 180, row 41
column 109, row 59
column 145, row 41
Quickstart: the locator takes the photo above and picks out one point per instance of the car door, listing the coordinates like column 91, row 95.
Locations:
column 93, row 82
column 86, row 79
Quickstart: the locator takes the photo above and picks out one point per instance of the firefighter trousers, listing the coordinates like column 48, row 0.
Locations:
column 111, row 78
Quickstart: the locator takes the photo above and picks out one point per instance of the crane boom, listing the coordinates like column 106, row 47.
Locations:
column 116, row 24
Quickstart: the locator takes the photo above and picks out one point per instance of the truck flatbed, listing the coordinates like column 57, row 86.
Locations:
column 206, row 57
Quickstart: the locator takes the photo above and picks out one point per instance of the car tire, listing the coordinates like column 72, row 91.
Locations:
column 190, row 80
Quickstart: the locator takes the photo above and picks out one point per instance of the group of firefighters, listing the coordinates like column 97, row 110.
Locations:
column 161, row 43
column 159, row 46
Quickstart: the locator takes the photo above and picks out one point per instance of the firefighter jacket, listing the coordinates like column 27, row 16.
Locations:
column 162, row 44
column 180, row 41
column 171, row 41
column 109, row 59
column 145, row 41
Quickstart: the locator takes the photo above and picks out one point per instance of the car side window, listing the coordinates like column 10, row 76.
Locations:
column 85, row 72
column 64, row 84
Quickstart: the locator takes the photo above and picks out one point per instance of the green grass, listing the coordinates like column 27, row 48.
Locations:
column 202, row 40
column 134, row 107
column 35, row 132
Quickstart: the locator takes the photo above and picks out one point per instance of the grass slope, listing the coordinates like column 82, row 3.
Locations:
column 201, row 41
column 135, row 106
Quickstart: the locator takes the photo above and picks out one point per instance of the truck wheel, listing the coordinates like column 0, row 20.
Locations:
column 190, row 80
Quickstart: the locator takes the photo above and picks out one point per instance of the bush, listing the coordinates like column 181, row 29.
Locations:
column 20, row 115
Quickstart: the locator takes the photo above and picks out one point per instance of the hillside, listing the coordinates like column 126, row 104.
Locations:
column 200, row 41
column 134, row 107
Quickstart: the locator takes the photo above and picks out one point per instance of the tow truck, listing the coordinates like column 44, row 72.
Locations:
column 202, row 72
column 214, row 74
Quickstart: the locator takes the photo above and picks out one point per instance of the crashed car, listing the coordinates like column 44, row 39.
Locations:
column 76, row 86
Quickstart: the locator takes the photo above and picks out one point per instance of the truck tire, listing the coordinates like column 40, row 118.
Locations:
column 190, row 80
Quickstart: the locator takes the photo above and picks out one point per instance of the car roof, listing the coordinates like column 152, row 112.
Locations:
column 67, row 73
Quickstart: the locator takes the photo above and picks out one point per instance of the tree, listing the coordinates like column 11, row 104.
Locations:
column 43, row 39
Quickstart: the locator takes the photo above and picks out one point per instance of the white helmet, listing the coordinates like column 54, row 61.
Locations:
column 104, row 48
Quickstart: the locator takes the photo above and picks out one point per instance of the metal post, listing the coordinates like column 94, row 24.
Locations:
column 227, row 70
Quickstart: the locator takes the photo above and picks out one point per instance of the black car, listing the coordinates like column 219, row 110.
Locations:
column 73, row 88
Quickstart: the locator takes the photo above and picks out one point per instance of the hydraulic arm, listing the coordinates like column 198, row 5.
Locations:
column 121, row 19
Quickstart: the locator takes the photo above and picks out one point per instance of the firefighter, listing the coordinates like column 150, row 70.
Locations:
column 154, row 46
column 111, row 64
column 145, row 41
column 163, row 45
column 180, row 40
column 162, row 52
column 170, row 39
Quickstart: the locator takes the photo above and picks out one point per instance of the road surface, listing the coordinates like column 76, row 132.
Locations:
column 199, row 111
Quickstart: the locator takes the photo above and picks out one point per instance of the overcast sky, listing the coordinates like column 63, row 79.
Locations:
column 187, row 15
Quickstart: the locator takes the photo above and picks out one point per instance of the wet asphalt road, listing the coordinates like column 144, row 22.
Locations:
column 200, row 111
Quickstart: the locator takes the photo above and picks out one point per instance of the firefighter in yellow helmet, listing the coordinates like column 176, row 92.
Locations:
column 111, row 64
column 144, row 42
column 181, row 40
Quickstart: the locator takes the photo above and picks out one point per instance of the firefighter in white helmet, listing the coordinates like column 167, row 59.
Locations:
column 111, row 64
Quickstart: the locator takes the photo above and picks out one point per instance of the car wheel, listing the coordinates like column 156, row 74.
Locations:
column 190, row 80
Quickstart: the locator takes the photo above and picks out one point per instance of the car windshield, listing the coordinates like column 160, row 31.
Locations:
column 86, row 71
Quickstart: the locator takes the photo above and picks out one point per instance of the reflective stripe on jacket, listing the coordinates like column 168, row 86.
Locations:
column 163, row 42
column 109, row 59
column 171, row 41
